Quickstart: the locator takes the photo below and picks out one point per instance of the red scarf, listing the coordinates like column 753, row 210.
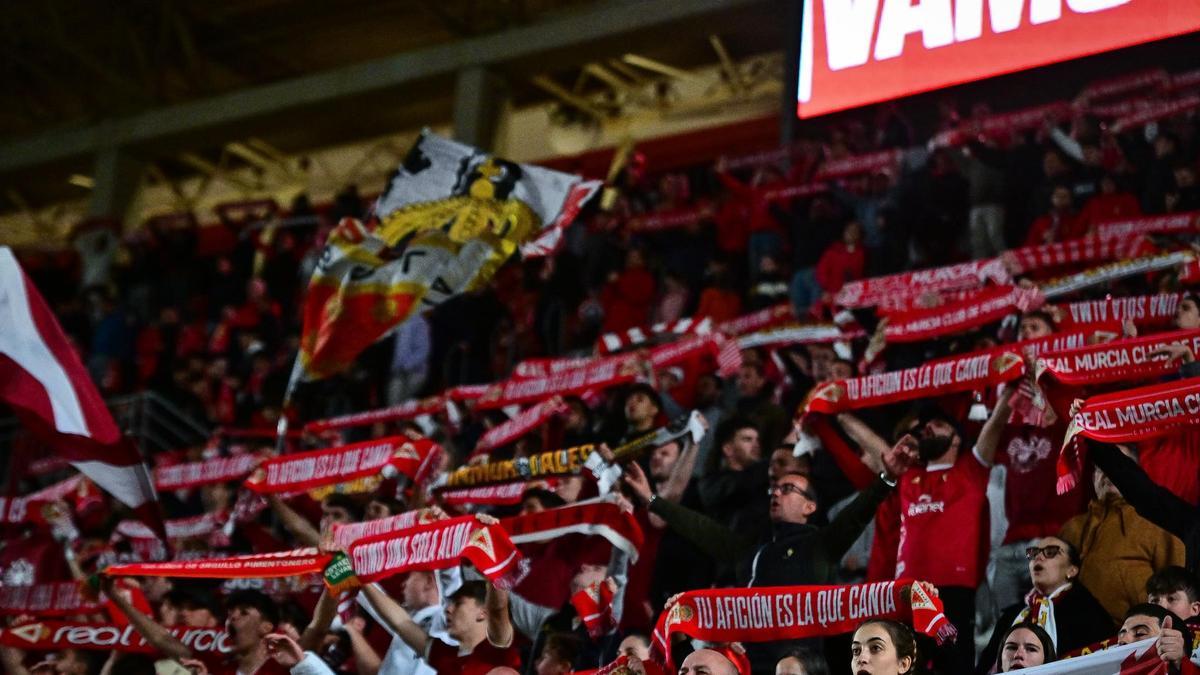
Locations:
column 1150, row 311
column 669, row 220
column 542, row 367
column 1099, row 248
column 59, row 598
column 599, row 373
column 968, row 372
column 816, row 333
column 405, row 411
column 527, row 420
column 195, row 474
column 1156, row 111
column 793, row 613
column 984, row 307
column 1129, row 416
column 624, row 666
column 883, row 290
column 56, row 635
column 438, row 545
column 1114, row 271
column 1118, row 361
column 23, row 509
column 344, row 535
column 595, row 517
column 494, row 495
column 1171, row 223
column 763, row 318
column 414, row 458
column 593, row 604
column 1155, row 78
column 859, row 164
column 255, row 566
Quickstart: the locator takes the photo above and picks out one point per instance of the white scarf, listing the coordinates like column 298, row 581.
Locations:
column 1045, row 610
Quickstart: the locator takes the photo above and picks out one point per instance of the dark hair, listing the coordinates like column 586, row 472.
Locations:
column 394, row 506
column 474, row 589
column 127, row 664
column 727, row 429
column 250, row 598
column 812, row 662
column 902, row 639
column 548, row 499
column 643, row 388
column 639, row 635
column 1038, row 632
column 340, row 501
column 1071, row 551
column 1171, row 579
column 566, row 646
column 1162, row 614
column 1039, row 314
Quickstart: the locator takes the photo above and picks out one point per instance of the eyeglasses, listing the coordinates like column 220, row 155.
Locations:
column 1050, row 551
column 790, row 489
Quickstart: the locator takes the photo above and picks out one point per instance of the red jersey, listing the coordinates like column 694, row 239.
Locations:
column 1031, row 501
column 944, row 523
column 445, row 659
column 226, row 664
column 882, row 564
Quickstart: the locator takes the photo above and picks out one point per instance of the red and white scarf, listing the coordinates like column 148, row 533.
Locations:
column 610, row 343
column 795, row 191
column 307, row 470
column 986, row 306
column 1155, row 79
column 888, row 289
column 594, row 605
column 542, row 367
column 855, row 165
column 60, row 598
column 494, row 495
column 1040, row 610
column 794, row 612
column 806, row 334
column 195, row 474
column 1117, row 361
column 254, row 566
column 58, row 635
column 19, row 509
column 1114, row 271
column 600, row 373
column 344, row 535
column 1156, row 110
column 968, row 372
column 1129, row 416
column 669, row 220
column 1123, row 242
column 527, row 420
column 595, row 517
column 439, row 545
column 1150, row 311
column 405, row 411
column 1170, row 223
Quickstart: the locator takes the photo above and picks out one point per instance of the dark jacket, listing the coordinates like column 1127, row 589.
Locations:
column 793, row 555
column 1152, row 501
column 1078, row 615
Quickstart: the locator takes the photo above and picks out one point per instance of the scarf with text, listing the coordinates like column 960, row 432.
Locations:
column 542, row 367
column 670, row 220
column 434, row 546
column 1040, row 610
column 1117, row 361
column 988, row 305
column 885, row 290
column 56, row 635
column 408, row 410
column 763, row 318
column 1000, row 125
column 1129, row 416
column 1094, row 249
column 1155, row 111
column 196, row 474
column 1149, row 311
column 554, row 463
column 594, row 605
column 1170, row 223
column 494, row 495
column 795, row 612
column 22, row 509
column 414, row 458
column 967, row 372
column 348, row 533
column 855, row 165
column 254, row 566
column 59, row 598
column 527, row 420
column 816, row 333
column 1113, row 271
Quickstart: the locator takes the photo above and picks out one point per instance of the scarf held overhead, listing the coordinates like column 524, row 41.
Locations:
column 306, row 470
column 1118, row 361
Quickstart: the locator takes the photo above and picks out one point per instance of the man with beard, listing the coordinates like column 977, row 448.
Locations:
column 944, row 527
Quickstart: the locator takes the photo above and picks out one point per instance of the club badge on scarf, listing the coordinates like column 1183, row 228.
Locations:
column 593, row 604
column 1118, row 361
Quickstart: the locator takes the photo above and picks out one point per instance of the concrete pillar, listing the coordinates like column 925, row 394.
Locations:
column 117, row 176
column 480, row 97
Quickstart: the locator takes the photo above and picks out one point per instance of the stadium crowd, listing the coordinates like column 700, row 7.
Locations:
column 957, row 489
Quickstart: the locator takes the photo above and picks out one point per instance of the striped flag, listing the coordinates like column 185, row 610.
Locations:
column 610, row 343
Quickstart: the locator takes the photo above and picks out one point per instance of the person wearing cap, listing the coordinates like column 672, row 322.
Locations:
column 249, row 617
column 476, row 617
column 946, row 492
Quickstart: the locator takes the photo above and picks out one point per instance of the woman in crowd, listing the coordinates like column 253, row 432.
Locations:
column 1025, row 645
column 1059, row 604
column 883, row 647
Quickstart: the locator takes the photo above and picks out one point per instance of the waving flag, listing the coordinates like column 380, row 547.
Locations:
column 450, row 218
column 1139, row 658
column 43, row 380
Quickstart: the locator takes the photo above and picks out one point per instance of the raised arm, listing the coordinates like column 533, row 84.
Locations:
column 159, row 637
column 710, row 536
column 993, row 428
column 323, row 615
column 295, row 523
column 499, row 625
column 872, row 444
column 856, row 469
column 1152, row 501
column 396, row 619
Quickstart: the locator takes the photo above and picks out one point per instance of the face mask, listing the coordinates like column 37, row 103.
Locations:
column 930, row 448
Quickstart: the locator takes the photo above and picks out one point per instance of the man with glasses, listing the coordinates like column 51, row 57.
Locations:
column 795, row 553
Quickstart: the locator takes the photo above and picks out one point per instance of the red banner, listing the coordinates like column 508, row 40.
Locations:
column 968, row 372
column 57, row 635
column 307, row 470
column 986, row 306
column 195, row 474
column 1119, row 361
column 61, row 598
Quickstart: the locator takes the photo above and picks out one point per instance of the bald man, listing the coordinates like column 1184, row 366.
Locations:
column 707, row 662
column 502, row 670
